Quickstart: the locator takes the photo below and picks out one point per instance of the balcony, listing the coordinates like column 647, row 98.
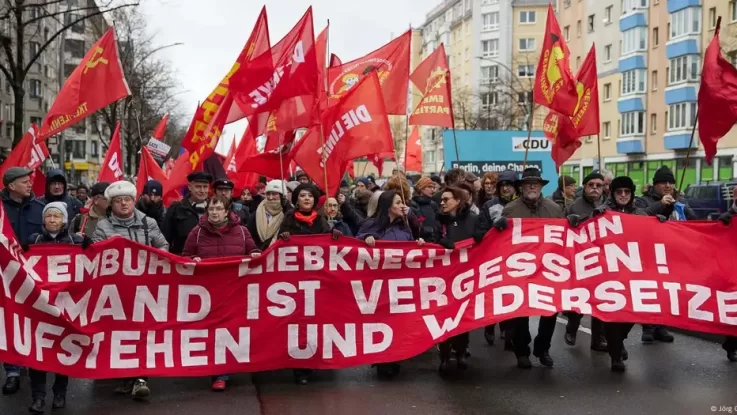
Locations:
column 631, row 145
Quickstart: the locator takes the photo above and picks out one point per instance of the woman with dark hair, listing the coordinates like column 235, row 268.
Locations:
column 304, row 219
column 388, row 223
column 457, row 223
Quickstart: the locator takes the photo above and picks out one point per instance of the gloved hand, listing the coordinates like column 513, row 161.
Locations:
column 24, row 247
column 86, row 242
column 599, row 211
column 285, row 236
column 574, row 220
column 661, row 218
column 337, row 234
column 447, row 243
column 725, row 218
column 500, row 223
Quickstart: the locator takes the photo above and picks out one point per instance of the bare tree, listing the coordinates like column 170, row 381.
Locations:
column 20, row 21
column 466, row 106
column 153, row 87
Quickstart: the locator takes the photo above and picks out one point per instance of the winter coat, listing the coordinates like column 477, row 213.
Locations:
column 651, row 203
column 207, row 242
column 426, row 211
column 559, row 198
column 582, row 207
column 351, row 217
column 143, row 230
column 732, row 211
column 180, row 219
column 630, row 208
column 541, row 208
column 155, row 211
column 340, row 224
column 241, row 211
column 459, row 227
column 87, row 217
column 397, row 231
column 74, row 206
column 493, row 208
column 296, row 227
column 63, row 237
column 26, row 217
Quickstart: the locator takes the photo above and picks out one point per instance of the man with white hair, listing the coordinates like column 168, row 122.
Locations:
column 128, row 222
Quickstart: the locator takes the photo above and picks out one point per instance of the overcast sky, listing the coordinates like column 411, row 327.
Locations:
column 214, row 32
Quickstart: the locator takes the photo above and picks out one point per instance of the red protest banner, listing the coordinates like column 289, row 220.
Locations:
column 120, row 309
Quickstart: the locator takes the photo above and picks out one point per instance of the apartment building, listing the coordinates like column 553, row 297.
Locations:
column 649, row 58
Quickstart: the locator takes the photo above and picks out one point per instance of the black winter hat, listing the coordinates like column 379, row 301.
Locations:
column 593, row 175
column 98, row 189
column 310, row 188
column 153, row 188
column 664, row 175
column 564, row 181
column 623, row 182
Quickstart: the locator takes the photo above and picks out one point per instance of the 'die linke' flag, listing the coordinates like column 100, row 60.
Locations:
column 112, row 168
column 97, row 82
column 354, row 127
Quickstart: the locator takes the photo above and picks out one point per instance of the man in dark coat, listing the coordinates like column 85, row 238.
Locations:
column 565, row 194
column 151, row 204
column 426, row 210
column 56, row 191
column 184, row 215
column 224, row 187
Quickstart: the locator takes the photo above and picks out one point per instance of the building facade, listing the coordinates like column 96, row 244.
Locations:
column 649, row 59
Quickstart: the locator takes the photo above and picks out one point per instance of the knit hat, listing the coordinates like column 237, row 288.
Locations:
column 120, row 188
column 664, row 175
column 293, row 185
column 98, row 189
column 276, row 186
column 622, row 182
column 153, row 188
column 310, row 188
column 59, row 206
column 436, row 179
column 363, row 180
column 592, row 176
column 564, row 181
column 423, row 183
column 343, row 183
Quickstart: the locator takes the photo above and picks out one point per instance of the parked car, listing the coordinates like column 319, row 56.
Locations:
column 710, row 199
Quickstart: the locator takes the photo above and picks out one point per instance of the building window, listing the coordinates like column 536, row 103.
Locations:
column 681, row 115
column 566, row 3
column 654, row 81
column 632, row 123
column 629, row 5
column 489, row 2
column 36, row 120
column 633, row 82
column 490, row 21
column 78, row 151
column 33, row 48
column 527, row 45
column 578, row 62
column 80, row 127
column 608, row 15
column 94, row 151
column 656, row 35
column 713, row 18
column 684, row 69
column 733, row 10
column 590, row 23
column 607, row 91
column 634, row 40
column 527, row 17
column 608, row 53
column 684, row 22
column 35, row 88
column 526, row 71
column 653, row 123
column 607, row 127
column 75, row 47
column 490, row 48
column 489, row 74
column 567, row 33
column 489, row 98
column 578, row 28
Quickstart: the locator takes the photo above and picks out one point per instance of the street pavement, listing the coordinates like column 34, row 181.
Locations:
column 691, row 376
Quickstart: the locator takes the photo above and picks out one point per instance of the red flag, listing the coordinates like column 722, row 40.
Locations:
column 177, row 179
column 39, row 182
column 286, row 74
column 112, row 168
column 211, row 135
column 246, row 148
column 355, row 127
column 161, row 127
column 413, row 152
column 27, row 153
column 97, row 82
column 390, row 62
column 554, row 85
column 335, row 60
column 269, row 163
column 148, row 169
column 257, row 44
column 560, row 131
column 321, row 47
column 585, row 117
column 717, row 97
column 274, row 137
column 432, row 77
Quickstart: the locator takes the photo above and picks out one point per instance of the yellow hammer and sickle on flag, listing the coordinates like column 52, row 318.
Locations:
column 553, row 71
column 95, row 59
column 579, row 91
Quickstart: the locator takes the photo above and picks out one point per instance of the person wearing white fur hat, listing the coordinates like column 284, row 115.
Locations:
column 125, row 220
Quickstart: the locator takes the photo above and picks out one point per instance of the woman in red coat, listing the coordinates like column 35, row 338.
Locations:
column 219, row 234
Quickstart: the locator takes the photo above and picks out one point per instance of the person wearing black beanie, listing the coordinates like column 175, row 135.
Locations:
column 565, row 194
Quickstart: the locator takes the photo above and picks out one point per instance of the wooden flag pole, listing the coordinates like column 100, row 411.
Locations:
column 529, row 134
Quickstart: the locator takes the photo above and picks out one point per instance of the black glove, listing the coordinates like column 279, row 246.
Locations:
column 599, row 211
column 285, row 236
column 337, row 234
column 86, row 242
column 574, row 220
column 447, row 243
column 661, row 218
column 726, row 218
column 24, row 247
column 500, row 223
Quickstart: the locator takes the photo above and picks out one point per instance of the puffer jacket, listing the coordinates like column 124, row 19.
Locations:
column 583, row 207
column 459, row 227
column 651, row 203
column 207, row 242
column 426, row 211
column 397, row 231
column 63, row 237
column 142, row 229
column 25, row 217
column 541, row 208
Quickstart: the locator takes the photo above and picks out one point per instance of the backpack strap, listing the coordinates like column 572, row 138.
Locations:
column 145, row 230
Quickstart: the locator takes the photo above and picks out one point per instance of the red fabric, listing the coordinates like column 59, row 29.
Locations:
column 160, row 130
column 274, row 164
column 28, row 152
column 391, row 62
column 97, row 82
column 112, row 168
column 717, row 98
column 205, row 241
column 245, row 149
column 354, row 127
column 413, row 152
column 585, row 117
column 148, row 169
column 335, row 60
column 554, row 85
column 177, row 179
column 308, row 219
column 257, row 44
column 432, row 78
column 39, row 182
column 230, row 315
column 560, row 132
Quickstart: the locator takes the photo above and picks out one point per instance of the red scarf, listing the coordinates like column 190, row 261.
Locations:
column 308, row 219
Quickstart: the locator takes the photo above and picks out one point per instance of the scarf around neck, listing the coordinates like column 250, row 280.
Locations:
column 267, row 229
column 309, row 219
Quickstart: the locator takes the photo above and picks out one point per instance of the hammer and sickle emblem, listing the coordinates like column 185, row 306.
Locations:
column 95, row 59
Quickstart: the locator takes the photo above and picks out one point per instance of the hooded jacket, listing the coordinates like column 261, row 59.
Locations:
column 74, row 206
column 26, row 217
column 494, row 207
column 141, row 229
column 207, row 242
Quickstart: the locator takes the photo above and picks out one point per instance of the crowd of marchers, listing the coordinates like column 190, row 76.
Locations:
column 211, row 221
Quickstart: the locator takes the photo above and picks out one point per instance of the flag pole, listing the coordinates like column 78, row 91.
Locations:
column 529, row 134
column 323, row 155
column 598, row 149
column 690, row 144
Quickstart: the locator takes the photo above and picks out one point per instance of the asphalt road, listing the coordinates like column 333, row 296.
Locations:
column 691, row 376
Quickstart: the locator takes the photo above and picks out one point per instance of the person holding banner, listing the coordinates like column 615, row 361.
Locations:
column 86, row 222
column 183, row 216
column 387, row 223
column 264, row 224
column 730, row 342
column 457, row 222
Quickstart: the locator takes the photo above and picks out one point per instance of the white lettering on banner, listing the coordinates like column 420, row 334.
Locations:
column 331, row 338
column 346, row 122
column 37, row 156
column 262, row 94
column 114, row 165
column 553, row 234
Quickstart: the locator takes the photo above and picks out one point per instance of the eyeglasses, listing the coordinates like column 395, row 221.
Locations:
column 623, row 191
column 216, row 209
column 445, row 200
column 332, row 205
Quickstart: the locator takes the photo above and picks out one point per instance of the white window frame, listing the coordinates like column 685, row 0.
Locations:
column 493, row 74
column 529, row 44
column 630, row 5
column 607, row 91
column 653, row 123
column 634, row 40
column 608, row 14
column 491, row 52
column 608, row 53
column 528, row 14
column 684, row 69
column 591, row 23
column 681, row 116
column 490, row 25
column 632, row 124
column 526, row 71
column 733, row 10
column 685, row 22
column 634, row 82
column 489, row 98
column 35, row 88
column 607, row 127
